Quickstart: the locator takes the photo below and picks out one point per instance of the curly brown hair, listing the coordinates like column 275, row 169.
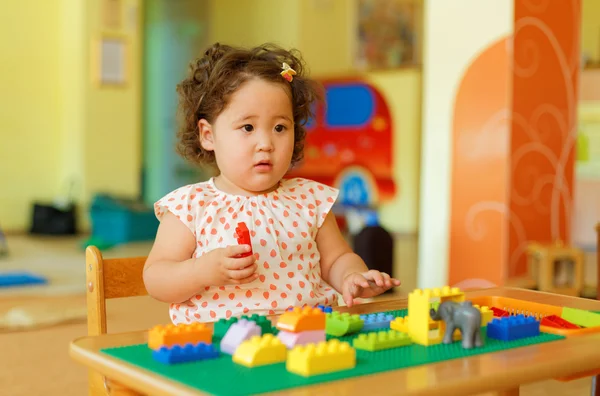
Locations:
column 215, row 76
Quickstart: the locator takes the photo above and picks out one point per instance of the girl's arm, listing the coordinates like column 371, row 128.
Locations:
column 170, row 273
column 345, row 270
column 337, row 258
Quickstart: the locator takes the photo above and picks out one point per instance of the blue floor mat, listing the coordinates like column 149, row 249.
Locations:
column 20, row 279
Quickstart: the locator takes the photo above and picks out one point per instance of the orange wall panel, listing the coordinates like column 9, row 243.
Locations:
column 545, row 92
column 481, row 127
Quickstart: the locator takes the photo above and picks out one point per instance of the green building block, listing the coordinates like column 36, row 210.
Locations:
column 381, row 340
column 223, row 325
column 339, row 324
column 265, row 324
column 580, row 317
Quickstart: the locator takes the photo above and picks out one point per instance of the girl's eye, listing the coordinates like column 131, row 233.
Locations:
column 248, row 128
column 280, row 128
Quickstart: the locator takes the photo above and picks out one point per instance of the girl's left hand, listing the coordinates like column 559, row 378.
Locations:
column 366, row 284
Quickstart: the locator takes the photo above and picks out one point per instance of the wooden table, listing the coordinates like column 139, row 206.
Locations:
column 501, row 371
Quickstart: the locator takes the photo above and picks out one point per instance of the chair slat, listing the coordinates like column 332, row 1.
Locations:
column 123, row 277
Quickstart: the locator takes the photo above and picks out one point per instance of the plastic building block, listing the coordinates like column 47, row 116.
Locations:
column 262, row 321
column 222, row 325
column 325, row 309
column 306, row 337
column 239, row 332
column 243, row 238
column 376, row 321
column 339, row 324
column 400, row 324
column 302, row 319
column 170, row 335
column 419, row 305
column 557, row 322
column 381, row 340
column 187, row 353
column 580, row 317
column 325, row 357
column 486, row 314
column 260, row 351
column 513, row 328
column 499, row 313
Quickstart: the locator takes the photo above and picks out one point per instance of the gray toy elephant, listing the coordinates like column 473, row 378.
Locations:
column 463, row 316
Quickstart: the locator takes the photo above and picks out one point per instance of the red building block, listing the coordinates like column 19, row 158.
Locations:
column 243, row 238
column 499, row 313
column 558, row 322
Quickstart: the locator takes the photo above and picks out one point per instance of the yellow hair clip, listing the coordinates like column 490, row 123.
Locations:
column 288, row 73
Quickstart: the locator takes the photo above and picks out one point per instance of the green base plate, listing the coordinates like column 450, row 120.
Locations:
column 223, row 377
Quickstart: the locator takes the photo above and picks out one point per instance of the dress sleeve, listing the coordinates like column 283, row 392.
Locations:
column 182, row 203
column 319, row 195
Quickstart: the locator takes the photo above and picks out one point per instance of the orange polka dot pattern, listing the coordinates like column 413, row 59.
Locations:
column 283, row 225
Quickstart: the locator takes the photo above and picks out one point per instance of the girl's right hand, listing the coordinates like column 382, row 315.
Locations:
column 228, row 269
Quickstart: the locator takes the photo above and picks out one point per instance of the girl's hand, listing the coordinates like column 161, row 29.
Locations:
column 366, row 284
column 226, row 268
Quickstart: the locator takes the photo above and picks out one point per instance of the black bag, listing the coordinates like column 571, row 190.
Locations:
column 51, row 220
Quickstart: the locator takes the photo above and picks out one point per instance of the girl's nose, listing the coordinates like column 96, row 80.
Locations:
column 265, row 141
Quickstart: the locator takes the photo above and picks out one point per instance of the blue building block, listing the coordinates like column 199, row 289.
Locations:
column 325, row 309
column 21, row 279
column 188, row 353
column 513, row 328
column 377, row 321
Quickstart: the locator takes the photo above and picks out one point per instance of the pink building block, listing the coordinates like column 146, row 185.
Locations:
column 305, row 337
column 239, row 332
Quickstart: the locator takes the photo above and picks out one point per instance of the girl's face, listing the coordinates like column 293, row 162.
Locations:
column 253, row 138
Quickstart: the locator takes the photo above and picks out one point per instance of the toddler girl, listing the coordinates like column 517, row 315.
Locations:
column 244, row 113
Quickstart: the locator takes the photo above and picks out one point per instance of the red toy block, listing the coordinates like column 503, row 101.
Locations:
column 558, row 322
column 499, row 313
column 243, row 238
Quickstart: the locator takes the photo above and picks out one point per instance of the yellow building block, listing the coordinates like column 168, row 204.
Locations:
column 419, row 304
column 486, row 314
column 170, row 335
column 259, row 351
column 302, row 319
column 400, row 324
column 324, row 357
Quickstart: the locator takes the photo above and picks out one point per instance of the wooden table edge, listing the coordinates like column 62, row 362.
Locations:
column 130, row 375
column 143, row 380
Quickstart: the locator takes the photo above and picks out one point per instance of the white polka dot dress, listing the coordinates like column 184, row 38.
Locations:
column 283, row 226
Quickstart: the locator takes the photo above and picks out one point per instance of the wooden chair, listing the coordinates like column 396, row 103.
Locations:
column 111, row 278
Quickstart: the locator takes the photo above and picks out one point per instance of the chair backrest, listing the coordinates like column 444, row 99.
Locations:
column 110, row 278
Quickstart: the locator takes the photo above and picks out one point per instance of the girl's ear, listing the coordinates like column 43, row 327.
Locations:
column 206, row 135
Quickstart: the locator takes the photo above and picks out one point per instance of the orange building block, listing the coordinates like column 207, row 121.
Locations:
column 302, row 319
column 170, row 335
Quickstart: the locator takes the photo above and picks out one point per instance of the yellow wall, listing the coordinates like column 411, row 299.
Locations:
column 113, row 127
column 402, row 90
column 323, row 32
column 30, row 99
column 590, row 32
column 56, row 125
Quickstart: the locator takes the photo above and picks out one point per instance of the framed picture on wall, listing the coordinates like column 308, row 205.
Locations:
column 388, row 33
column 110, row 61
